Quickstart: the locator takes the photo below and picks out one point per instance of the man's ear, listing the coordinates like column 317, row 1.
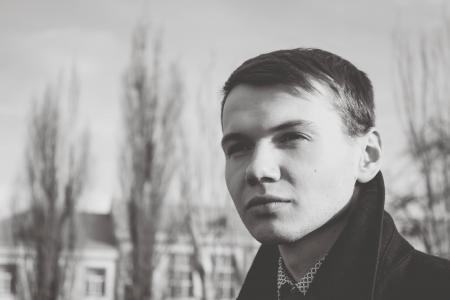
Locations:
column 370, row 160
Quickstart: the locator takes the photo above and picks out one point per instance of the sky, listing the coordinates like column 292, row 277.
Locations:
column 41, row 39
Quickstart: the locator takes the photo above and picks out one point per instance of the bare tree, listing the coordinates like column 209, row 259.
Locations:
column 204, row 199
column 423, row 71
column 56, row 170
column 147, row 165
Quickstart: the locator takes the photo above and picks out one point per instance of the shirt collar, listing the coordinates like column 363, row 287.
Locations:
column 284, row 278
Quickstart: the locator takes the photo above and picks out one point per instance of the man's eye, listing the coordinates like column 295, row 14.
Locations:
column 238, row 148
column 291, row 137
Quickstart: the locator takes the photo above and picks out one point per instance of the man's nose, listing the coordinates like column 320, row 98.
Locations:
column 263, row 166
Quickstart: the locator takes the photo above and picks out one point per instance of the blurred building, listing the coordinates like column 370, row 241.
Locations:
column 95, row 260
column 101, row 263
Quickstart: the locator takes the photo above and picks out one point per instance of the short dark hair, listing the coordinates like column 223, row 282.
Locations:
column 301, row 68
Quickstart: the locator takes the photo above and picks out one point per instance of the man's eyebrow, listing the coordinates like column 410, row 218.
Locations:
column 240, row 136
column 290, row 124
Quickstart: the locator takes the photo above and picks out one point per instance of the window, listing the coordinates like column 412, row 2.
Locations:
column 7, row 279
column 180, row 276
column 224, row 276
column 95, row 282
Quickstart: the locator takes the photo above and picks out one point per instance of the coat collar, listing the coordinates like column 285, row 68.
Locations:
column 350, row 269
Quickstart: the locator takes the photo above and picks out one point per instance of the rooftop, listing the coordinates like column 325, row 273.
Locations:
column 92, row 230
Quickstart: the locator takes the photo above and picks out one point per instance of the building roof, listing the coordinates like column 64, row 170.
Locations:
column 96, row 230
column 92, row 230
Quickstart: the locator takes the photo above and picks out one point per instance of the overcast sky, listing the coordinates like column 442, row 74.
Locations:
column 40, row 38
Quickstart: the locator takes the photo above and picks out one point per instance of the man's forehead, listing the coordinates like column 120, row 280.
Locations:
column 318, row 89
column 277, row 103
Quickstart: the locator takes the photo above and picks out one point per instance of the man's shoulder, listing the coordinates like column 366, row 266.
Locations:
column 406, row 273
column 418, row 276
column 424, row 265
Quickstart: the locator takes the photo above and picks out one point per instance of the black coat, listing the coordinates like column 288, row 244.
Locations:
column 370, row 260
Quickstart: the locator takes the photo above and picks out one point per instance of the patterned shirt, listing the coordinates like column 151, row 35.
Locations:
column 283, row 278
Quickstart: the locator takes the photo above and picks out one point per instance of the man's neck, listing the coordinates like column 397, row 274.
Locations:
column 301, row 255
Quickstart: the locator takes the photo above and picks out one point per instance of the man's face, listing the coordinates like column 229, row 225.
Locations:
column 289, row 165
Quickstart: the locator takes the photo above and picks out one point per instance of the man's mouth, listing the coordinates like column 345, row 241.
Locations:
column 264, row 200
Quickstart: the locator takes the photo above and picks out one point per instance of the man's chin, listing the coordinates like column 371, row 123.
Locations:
column 271, row 240
column 272, row 236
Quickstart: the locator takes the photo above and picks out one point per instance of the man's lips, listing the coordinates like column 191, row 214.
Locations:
column 261, row 200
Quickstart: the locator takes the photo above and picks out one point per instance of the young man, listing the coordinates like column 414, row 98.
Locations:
column 302, row 166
